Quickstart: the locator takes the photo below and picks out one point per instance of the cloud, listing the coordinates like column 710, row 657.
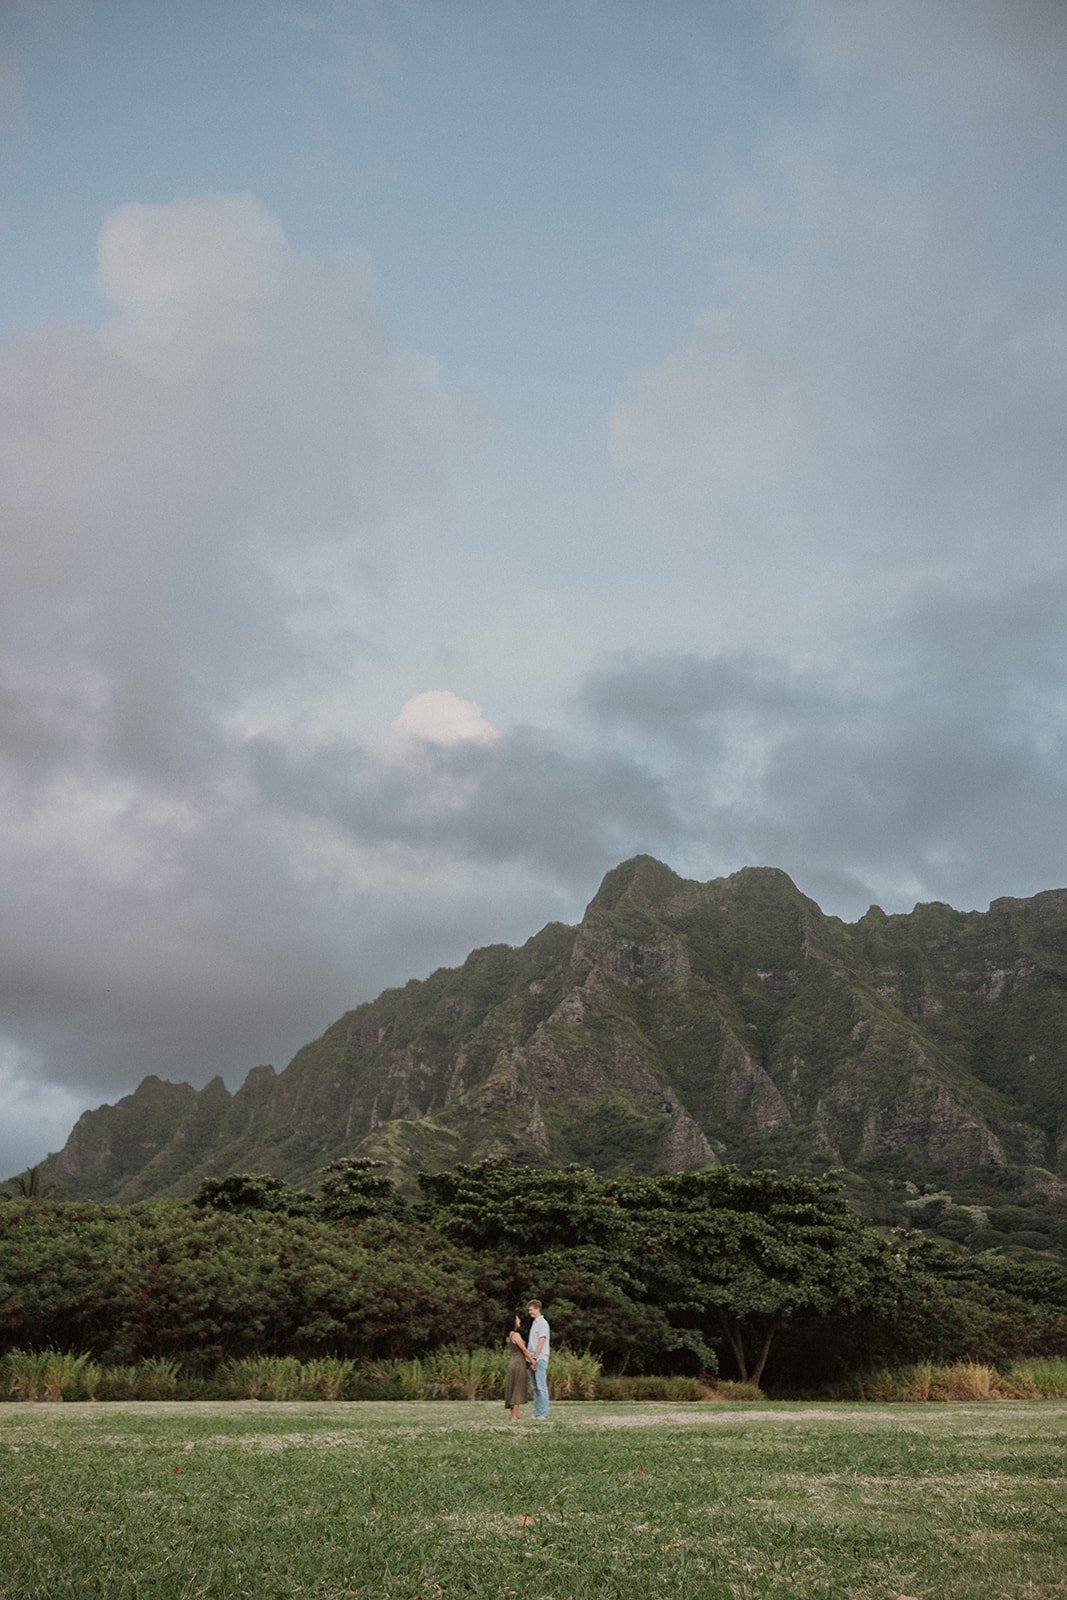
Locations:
column 205, row 496
column 533, row 800
column 37, row 1115
column 197, row 493
column 439, row 717
column 935, row 769
column 194, row 490
column 201, row 496
column 874, row 394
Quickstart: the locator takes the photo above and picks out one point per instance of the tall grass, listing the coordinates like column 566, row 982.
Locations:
column 49, row 1375
column 262, row 1378
column 155, row 1378
column 326, row 1378
column 1048, row 1374
column 452, row 1373
column 572, row 1376
column 963, row 1380
column 455, row 1374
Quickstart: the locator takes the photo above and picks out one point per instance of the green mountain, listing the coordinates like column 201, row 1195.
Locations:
column 680, row 1024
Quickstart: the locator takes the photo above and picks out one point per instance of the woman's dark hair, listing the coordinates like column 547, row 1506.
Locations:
column 512, row 1322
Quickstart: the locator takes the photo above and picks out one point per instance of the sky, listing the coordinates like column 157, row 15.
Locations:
column 448, row 447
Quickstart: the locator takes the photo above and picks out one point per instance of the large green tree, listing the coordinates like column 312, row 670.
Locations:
column 746, row 1254
column 716, row 1254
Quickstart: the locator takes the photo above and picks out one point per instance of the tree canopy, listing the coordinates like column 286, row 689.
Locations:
column 680, row 1273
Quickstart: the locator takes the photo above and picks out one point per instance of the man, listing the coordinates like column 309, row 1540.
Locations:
column 538, row 1343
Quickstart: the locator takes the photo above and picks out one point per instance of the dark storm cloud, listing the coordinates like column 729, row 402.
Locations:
column 533, row 799
column 933, row 763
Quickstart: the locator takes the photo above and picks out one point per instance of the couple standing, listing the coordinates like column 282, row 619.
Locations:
column 528, row 1357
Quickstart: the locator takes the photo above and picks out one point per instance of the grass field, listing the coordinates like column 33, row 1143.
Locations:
column 142, row 1501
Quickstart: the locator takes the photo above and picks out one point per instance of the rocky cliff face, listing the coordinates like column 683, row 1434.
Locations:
column 681, row 1024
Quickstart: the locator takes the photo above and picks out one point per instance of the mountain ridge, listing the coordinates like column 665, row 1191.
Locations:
column 680, row 1024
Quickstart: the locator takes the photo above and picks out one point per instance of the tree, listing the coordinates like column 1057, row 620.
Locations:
column 983, row 1305
column 28, row 1186
column 124, row 1283
column 250, row 1191
column 750, row 1253
column 493, row 1205
column 355, row 1188
column 710, row 1253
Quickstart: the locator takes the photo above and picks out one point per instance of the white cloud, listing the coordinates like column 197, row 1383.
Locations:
column 439, row 717
column 193, row 491
column 242, row 392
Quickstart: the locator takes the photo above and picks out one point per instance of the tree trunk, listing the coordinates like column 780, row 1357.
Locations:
column 732, row 1330
column 733, row 1335
column 761, row 1360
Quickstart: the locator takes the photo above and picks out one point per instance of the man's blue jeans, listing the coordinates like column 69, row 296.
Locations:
column 540, row 1388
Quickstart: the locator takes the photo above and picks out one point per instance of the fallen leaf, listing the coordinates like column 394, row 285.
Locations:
column 526, row 1522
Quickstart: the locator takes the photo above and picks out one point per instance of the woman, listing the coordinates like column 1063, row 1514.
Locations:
column 517, row 1381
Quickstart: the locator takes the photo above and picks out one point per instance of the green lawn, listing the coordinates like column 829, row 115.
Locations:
column 416, row 1501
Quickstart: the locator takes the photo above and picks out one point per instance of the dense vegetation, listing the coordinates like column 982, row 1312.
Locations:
column 688, row 1273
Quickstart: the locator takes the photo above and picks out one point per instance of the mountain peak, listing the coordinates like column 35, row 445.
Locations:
column 768, row 880
column 642, row 880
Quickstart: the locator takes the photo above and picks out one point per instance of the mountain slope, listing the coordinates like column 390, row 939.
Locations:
column 679, row 1025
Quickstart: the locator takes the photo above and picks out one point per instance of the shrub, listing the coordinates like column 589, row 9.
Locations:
column 737, row 1391
column 646, row 1387
column 262, row 1378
